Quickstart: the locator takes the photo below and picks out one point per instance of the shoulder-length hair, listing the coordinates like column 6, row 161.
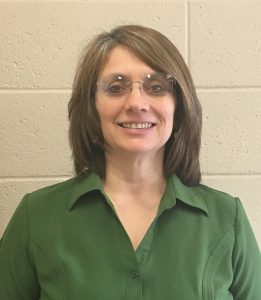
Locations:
column 181, row 154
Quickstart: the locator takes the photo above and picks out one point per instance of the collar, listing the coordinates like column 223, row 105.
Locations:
column 190, row 196
column 84, row 184
column 175, row 190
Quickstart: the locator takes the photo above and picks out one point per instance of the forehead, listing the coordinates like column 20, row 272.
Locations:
column 121, row 60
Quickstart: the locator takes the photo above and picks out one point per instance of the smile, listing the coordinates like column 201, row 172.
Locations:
column 137, row 125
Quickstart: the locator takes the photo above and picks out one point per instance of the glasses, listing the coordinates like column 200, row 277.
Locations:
column 153, row 85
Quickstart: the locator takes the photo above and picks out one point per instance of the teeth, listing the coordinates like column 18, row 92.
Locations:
column 137, row 125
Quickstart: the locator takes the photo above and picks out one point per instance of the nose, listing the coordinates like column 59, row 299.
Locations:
column 139, row 85
column 136, row 99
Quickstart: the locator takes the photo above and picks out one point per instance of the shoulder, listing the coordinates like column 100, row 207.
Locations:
column 214, row 196
column 51, row 196
column 62, row 195
column 45, row 208
column 220, row 205
column 55, row 189
column 211, row 200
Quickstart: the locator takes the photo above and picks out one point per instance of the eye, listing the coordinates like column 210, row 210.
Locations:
column 115, row 89
column 115, row 86
column 156, row 88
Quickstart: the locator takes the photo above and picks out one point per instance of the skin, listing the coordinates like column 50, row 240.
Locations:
column 134, row 178
column 137, row 107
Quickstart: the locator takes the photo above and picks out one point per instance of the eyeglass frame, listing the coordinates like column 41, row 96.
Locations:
column 129, row 84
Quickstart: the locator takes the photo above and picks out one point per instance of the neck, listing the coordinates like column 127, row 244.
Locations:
column 136, row 175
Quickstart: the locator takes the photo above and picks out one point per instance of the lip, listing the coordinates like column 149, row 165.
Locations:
column 136, row 131
column 135, row 125
column 136, row 122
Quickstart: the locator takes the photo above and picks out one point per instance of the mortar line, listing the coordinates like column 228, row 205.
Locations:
column 223, row 175
column 34, row 91
column 229, row 89
column 247, row 87
column 187, row 33
column 32, row 178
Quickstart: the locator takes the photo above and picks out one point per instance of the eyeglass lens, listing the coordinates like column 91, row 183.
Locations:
column 155, row 85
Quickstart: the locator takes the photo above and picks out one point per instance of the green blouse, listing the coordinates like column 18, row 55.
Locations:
column 65, row 242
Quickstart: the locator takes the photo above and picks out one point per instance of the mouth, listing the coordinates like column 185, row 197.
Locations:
column 137, row 125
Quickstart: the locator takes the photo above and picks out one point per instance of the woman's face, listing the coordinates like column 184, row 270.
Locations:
column 134, row 119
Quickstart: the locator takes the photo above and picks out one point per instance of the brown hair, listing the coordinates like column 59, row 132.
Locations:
column 85, row 135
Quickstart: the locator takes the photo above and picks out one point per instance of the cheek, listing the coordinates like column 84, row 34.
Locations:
column 169, row 118
column 103, row 112
column 168, row 112
column 107, row 110
column 170, row 122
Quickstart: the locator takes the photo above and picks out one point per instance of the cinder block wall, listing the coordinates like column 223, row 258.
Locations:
column 39, row 45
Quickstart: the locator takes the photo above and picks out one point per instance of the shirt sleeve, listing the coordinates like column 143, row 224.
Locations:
column 18, row 280
column 246, row 260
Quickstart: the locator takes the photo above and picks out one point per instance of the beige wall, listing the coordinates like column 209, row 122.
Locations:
column 39, row 45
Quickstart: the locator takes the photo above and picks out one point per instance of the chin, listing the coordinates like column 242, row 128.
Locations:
column 141, row 149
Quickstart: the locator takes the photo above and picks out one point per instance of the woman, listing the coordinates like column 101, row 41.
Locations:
column 135, row 223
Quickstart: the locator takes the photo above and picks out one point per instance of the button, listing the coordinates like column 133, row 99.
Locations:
column 134, row 274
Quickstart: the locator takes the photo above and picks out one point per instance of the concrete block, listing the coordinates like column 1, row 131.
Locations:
column 225, row 43
column 41, row 41
column 33, row 134
column 231, row 141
